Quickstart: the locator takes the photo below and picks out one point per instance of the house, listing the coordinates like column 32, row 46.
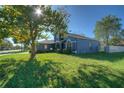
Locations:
column 121, row 43
column 76, row 43
column 119, row 47
column 112, row 49
column 46, row 46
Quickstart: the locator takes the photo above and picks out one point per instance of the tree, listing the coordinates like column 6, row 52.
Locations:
column 107, row 28
column 32, row 21
column 7, row 21
column 60, row 21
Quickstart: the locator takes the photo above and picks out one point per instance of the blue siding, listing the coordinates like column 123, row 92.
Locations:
column 85, row 45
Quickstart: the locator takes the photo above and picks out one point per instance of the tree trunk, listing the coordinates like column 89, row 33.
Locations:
column 33, row 50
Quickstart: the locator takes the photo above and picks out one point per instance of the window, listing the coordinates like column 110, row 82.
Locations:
column 90, row 45
column 45, row 46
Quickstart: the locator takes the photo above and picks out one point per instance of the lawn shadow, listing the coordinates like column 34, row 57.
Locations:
column 34, row 75
column 112, row 57
column 38, row 74
column 7, row 67
column 98, row 76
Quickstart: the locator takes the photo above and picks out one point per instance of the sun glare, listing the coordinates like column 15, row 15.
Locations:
column 38, row 12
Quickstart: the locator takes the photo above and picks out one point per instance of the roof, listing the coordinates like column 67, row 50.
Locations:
column 76, row 36
column 70, row 35
column 121, row 43
column 47, row 42
column 80, row 36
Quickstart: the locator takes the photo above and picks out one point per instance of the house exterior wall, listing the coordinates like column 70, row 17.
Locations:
column 85, row 45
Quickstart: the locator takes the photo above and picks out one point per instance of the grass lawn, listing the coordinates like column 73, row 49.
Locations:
column 61, row 70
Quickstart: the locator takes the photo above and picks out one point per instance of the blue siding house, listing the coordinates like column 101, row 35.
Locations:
column 76, row 43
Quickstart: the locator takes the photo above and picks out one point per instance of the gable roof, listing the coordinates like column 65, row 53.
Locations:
column 80, row 36
column 76, row 36
column 69, row 35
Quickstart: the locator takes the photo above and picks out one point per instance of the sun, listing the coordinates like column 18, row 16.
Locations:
column 38, row 12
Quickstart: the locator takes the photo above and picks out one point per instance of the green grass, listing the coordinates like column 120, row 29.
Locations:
column 61, row 70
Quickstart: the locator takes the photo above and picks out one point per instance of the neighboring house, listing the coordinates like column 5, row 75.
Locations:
column 121, row 43
column 76, row 43
column 115, row 48
column 46, row 45
column 112, row 49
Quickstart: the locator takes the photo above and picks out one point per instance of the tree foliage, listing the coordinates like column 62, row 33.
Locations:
column 107, row 28
column 25, row 25
column 7, row 21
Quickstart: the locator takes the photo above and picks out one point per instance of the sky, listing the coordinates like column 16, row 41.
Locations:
column 83, row 18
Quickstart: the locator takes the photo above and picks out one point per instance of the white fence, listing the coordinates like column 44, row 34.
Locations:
column 115, row 49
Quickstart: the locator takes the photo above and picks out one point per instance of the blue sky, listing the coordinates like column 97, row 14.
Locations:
column 83, row 18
